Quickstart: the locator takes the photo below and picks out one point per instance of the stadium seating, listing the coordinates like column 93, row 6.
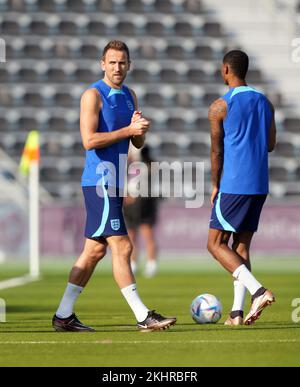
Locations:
column 53, row 49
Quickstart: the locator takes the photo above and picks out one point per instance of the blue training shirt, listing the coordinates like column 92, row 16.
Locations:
column 116, row 113
column 246, row 139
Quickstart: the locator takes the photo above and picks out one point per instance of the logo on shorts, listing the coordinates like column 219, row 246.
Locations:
column 115, row 224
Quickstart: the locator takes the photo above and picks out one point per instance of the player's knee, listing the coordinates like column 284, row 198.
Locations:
column 97, row 253
column 211, row 247
column 122, row 249
column 125, row 249
column 242, row 250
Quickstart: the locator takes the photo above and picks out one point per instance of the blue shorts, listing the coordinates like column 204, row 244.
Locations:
column 237, row 213
column 104, row 213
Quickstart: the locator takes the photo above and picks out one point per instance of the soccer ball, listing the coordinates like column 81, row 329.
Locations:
column 206, row 309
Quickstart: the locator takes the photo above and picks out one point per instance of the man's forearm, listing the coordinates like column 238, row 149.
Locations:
column 216, row 168
column 104, row 139
column 138, row 141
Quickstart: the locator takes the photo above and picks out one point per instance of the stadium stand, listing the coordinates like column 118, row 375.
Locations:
column 53, row 48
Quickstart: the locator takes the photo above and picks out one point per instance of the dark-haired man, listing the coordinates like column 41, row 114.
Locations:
column 109, row 120
column 242, row 132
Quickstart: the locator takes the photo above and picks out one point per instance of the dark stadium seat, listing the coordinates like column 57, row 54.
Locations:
column 51, row 147
column 208, row 98
column 56, row 75
column 285, row 149
column 136, row 5
column 193, row 6
column 202, row 124
column 170, row 149
column 90, row 51
column 33, row 50
column 204, row 52
column 154, row 99
column 163, row 6
column 10, row 27
column 28, row 75
column 97, row 27
column 29, row 5
column 3, row 124
column 147, row 51
column 68, row 27
column 197, row 76
column 39, row 27
column 254, row 76
column 126, row 28
column 199, row 149
column 155, row 28
column 278, row 173
column 53, row 174
column 212, row 29
column 33, row 98
column 64, row 99
column 184, row 98
column 176, row 124
column 140, row 75
column 183, row 28
column 175, row 51
column 58, row 123
column 84, row 75
column 169, row 75
column 292, row 125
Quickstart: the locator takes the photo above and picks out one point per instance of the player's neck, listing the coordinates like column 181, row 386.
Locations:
column 111, row 84
column 236, row 82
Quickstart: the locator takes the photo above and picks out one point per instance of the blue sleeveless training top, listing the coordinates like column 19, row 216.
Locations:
column 116, row 113
column 246, row 138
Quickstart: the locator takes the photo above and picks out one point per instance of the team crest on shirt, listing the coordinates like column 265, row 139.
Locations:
column 129, row 104
column 115, row 224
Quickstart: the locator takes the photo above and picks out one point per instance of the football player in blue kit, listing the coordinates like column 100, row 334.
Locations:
column 109, row 120
column 243, row 131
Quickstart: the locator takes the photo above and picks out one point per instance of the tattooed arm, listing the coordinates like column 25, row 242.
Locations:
column 217, row 113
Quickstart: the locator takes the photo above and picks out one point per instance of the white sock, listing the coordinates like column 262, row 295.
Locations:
column 67, row 302
column 132, row 297
column 247, row 279
column 151, row 268
column 239, row 295
column 133, row 267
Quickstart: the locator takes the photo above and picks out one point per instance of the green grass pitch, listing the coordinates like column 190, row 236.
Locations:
column 27, row 338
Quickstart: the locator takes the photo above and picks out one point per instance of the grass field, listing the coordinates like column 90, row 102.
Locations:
column 27, row 338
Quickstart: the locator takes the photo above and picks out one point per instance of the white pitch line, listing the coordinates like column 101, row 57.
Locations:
column 154, row 342
column 18, row 281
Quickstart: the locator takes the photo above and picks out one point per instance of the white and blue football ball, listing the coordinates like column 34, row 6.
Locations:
column 206, row 309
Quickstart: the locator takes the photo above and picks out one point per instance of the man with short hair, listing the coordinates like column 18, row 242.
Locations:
column 242, row 132
column 109, row 120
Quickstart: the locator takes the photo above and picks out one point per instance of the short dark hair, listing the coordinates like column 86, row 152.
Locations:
column 116, row 45
column 238, row 62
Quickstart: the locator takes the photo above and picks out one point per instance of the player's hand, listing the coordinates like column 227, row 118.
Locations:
column 136, row 115
column 139, row 127
column 214, row 194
